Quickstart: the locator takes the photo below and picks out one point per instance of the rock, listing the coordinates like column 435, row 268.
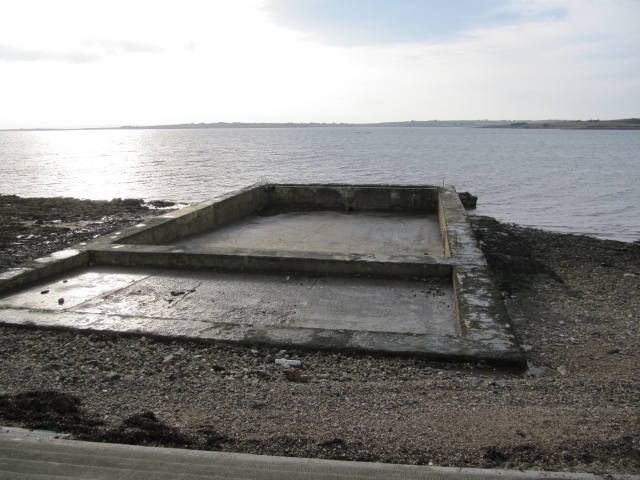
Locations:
column 44, row 292
column 169, row 359
column 293, row 376
column 613, row 350
column 161, row 203
column 61, row 301
column 468, row 200
column 111, row 377
column 537, row 372
column 561, row 370
column 287, row 363
column 51, row 366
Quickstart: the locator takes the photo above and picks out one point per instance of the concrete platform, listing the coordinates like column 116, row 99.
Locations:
column 362, row 232
column 26, row 455
column 252, row 299
column 370, row 268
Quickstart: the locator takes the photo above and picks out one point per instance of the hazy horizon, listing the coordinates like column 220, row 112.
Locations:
column 372, row 124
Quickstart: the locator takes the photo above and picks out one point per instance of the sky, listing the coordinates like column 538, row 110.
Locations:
column 111, row 63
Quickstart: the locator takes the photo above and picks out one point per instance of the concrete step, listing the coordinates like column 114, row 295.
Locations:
column 33, row 454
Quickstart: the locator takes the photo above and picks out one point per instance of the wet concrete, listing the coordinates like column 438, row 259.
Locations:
column 297, row 301
column 361, row 232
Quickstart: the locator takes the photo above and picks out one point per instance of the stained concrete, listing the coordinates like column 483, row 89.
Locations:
column 361, row 232
column 298, row 301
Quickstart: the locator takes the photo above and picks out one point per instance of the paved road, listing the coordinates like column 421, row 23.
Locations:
column 26, row 455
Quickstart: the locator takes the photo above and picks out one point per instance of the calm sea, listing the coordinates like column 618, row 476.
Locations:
column 570, row 181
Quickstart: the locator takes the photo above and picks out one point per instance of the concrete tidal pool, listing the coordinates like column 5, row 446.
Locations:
column 371, row 268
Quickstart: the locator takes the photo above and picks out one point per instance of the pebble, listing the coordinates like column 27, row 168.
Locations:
column 110, row 377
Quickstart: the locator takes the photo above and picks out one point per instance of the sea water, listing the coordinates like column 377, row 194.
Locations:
column 564, row 180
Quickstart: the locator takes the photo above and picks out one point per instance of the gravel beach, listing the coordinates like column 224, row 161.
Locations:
column 573, row 299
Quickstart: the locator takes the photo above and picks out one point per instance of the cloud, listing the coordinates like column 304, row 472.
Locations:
column 16, row 54
column 376, row 22
column 123, row 46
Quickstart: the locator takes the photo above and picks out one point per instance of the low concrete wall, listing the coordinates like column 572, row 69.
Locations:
column 41, row 268
column 197, row 218
column 270, row 261
column 354, row 197
column 482, row 315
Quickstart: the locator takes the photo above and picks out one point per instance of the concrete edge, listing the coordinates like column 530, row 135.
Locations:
column 482, row 315
column 481, row 312
column 397, row 266
column 456, row 231
column 300, row 467
column 433, row 347
column 208, row 215
column 41, row 268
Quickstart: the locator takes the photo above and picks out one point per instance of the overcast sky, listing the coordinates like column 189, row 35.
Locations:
column 96, row 63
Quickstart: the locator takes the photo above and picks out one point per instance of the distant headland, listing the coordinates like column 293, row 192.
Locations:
column 623, row 124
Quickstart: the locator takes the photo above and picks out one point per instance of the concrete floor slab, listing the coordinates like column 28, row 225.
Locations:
column 300, row 301
column 75, row 288
column 363, row 232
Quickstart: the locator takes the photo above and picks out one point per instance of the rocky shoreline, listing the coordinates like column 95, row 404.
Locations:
column 575, row 306
column 34, row 227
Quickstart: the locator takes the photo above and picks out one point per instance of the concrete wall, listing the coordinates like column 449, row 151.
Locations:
column 234, row 206
column 198, row 218
column 353, row 197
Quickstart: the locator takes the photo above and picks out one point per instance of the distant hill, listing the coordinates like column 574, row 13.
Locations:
column 624, row 124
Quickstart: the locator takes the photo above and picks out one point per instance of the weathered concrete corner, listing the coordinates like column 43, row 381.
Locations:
column 370, row 268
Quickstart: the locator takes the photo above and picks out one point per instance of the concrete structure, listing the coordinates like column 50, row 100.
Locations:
column 374, row 268
column 40, row 454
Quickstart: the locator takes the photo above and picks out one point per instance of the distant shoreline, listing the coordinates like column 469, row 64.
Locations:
column 623, row 124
